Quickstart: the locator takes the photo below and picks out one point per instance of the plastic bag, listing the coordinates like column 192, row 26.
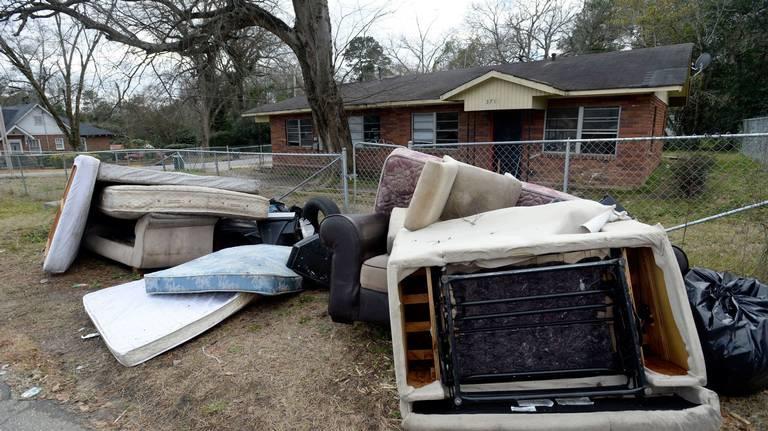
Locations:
column 731, row 315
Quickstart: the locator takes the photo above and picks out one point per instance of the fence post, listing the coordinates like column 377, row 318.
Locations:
column 344, row 185
column 229, row 159
column 114, row 153
column 64, row 165
column 354, row 173
column 21, row 170
column 216, row 162
column 566, row 165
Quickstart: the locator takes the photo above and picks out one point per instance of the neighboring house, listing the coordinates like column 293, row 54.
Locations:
column 606, row 95
column 32, row 129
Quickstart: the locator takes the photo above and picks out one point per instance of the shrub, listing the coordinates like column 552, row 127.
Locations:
column 690, row 174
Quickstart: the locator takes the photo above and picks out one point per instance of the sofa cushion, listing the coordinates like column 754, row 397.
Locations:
column 399, row 176
column 431, row 194
column 476, row 190
column 534, row 194
column 373, row 273
column 396, row 222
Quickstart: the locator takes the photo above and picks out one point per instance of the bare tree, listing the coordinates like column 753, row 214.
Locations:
column 419, row 54
column 207, row 22
column 55, row 61
column 349, row 25
column 519, row 30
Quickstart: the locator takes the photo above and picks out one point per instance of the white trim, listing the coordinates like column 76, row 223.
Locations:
column 23, row 132
column 423, row 102
column 578, row 139
column 39, row 145
column 622, row 91
column 263, row 117
column 18, row 142
column 504, row 77
column 56, row 144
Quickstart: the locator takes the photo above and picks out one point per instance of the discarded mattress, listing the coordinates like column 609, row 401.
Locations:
column 132, row 202
column 259, row 268
column 126, row 175
column 69, row 223
column 137, row 326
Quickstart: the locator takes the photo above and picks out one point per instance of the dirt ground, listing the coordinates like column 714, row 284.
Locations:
column 278, row 364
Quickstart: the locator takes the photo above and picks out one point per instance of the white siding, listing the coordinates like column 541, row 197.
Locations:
column 47, row 127
column 499, row 94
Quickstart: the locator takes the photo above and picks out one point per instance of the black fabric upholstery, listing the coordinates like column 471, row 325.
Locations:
column 353, row 238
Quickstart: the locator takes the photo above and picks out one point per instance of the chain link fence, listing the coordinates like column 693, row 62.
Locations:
column 288, row 177
column 666, row 180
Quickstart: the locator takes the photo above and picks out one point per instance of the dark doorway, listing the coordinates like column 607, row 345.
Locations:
column 507, row 126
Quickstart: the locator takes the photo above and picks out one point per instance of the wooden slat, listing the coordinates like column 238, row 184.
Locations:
column 417, row 326
column 433, row 324
column 419, row 355
column 419, row 298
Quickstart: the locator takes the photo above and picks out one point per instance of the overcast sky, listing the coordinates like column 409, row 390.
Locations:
column 444, row 16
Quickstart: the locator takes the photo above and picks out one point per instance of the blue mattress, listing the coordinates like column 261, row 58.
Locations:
column 257, row 268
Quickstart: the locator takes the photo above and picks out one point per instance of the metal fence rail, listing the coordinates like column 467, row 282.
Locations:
column 289, row 176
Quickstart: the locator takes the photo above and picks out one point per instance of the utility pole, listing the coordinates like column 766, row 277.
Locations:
column 6, row 145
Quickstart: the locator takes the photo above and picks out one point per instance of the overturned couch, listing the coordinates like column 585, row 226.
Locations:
column 144, row 218
column 567, row 315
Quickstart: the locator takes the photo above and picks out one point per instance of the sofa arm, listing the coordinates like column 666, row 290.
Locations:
column 351, row 238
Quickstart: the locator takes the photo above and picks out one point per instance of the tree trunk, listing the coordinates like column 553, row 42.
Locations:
column 314, row 52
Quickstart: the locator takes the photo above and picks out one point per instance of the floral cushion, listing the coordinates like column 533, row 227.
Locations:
column 399, row 176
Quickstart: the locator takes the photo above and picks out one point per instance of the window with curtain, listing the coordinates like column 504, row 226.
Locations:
column 299, row 133
column 582, row 123
column 435, row 128
column 365, row 128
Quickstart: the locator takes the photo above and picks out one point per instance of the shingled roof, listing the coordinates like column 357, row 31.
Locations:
column 657, row 67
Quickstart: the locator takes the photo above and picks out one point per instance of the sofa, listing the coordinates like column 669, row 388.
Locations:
column 360, row 243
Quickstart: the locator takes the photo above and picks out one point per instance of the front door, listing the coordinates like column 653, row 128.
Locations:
column 507, row 126
column 15, row 145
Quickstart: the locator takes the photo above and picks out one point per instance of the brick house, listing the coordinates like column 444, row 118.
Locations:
column 32, row 129
column 606, row 95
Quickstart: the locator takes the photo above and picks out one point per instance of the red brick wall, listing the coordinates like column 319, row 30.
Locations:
column 641, row 115
column 98, row 143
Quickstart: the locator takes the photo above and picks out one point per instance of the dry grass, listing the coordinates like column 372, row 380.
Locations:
column 278, row 364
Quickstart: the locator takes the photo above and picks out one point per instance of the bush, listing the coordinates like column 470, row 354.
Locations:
column 690, row 174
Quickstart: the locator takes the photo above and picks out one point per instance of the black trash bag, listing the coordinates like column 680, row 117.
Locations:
column 731, row 315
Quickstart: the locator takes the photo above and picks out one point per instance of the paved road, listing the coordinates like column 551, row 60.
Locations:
column 34, row 415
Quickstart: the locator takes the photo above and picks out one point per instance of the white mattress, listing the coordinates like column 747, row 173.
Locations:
column 69, row 224
column 132, row 202
column 126, row 175
column 137, row 326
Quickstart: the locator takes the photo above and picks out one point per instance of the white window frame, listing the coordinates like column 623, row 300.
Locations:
column 38, row 120
column 37, row 147
column 576, row 145
column 84, row 143
column 12, row 142
column 59, row 142
column 434, row 127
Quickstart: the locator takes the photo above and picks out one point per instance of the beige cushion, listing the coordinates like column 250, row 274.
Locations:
column 476, row 190
column 396, row 222
column 431, row 194
column 373, row 273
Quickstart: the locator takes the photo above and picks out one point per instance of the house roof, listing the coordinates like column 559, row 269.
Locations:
column 12, row 114
column 87, row 130
column 647, row 68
